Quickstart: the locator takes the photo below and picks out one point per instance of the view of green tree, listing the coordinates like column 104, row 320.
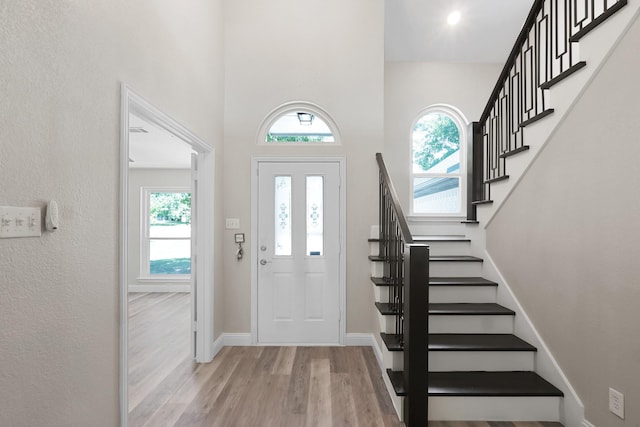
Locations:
column 170, row 207
column 435, row 137
column 294, row 138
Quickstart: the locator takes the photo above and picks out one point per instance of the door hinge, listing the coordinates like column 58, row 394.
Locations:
column 195, row 326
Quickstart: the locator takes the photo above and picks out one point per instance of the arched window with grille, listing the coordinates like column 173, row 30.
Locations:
column 438, row 160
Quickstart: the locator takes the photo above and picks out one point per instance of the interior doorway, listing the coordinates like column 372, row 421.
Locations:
column 161, row 255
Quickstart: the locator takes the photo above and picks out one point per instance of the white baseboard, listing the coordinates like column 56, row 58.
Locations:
column 160, row 287
column 586, row 423
column 367, row 340
column 572, row 413
column 230, row 339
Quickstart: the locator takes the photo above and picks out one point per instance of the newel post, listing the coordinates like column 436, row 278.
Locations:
column 416, row 334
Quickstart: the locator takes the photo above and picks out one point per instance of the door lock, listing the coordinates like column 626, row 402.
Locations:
column 264, row 261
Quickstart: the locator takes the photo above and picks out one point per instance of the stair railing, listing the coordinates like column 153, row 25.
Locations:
column 544, row 54
column 406, row 271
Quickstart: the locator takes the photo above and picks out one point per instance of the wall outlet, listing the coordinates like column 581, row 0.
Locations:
column 616, row 403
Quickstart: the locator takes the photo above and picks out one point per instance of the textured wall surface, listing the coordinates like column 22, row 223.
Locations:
column 330, row 53
column 567, row 239
column 410, row 87
column 61, row 67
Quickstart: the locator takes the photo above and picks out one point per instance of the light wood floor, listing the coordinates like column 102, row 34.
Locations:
column 251, row 386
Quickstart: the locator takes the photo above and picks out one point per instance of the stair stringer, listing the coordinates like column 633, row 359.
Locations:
column 572, row 408
column 594, row 48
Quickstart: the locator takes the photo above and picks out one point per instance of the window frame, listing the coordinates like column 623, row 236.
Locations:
column 302, row 107
column 461, row 122
column 145, row 238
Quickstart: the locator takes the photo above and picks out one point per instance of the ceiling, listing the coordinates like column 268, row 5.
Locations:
column 417, row 30
column 153, row 147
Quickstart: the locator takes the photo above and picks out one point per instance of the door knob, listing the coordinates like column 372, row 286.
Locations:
column 264, row 261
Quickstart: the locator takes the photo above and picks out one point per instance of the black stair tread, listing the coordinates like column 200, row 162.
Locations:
column 385, row 308
column 437, row 258
column 460, row 281
column 469, row 308
column 516, row 383
column 464, row 309
column 451, row 238
column 380, row 281
column 443, row 238
column 454, row 258
column 465, row 342
column 481, row 383
column 443, row 281
column 478, row 342
column 391, row 341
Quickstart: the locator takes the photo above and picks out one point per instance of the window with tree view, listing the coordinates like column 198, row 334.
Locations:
column 167, row 245
column 437, row 156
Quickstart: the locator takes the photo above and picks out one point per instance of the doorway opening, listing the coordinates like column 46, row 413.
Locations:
column 166, row 225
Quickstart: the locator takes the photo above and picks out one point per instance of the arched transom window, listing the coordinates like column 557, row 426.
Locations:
column 298, row 123
column 438, row 186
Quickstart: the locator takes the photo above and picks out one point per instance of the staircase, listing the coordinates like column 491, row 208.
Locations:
column 478, row 369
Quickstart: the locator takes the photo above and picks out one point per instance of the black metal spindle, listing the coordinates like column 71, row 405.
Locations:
column 408, row 287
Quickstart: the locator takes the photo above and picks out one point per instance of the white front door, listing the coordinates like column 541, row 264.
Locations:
column 298, row 252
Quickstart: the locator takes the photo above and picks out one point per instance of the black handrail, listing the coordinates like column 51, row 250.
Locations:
column 406, row 274
column 511, row 60
column 543, row 55
column 386, row 179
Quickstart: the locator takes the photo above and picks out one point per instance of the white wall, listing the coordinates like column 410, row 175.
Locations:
column 410, row 87
column 329, row 53
column 61, row 66
column 139, row 178
column 566, row 239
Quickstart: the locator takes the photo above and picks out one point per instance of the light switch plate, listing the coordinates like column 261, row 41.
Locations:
column 233, row 223
column 20, row 222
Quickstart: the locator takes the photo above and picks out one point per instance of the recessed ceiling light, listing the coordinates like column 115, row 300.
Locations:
column 453, row 18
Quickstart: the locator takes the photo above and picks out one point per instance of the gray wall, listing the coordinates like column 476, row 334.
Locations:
column 567, row 239
column 61, row 66
column 330, row 53
column 410, row 87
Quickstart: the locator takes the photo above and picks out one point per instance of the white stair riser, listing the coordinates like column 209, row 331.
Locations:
column 456, row 324
column 377, row 269
column 435, row 248
column 455, row 269
column 397, row 360
column 498, row 408
column 457, row 293
column 475, row 324
column 439, row 269
column 443, row 361
column 387, row 324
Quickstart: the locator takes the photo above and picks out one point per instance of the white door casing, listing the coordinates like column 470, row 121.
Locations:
column 131, row 102
column 299, row 266
column 194, row 256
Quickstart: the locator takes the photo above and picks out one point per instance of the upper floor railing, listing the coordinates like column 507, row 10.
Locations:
column 544, row 53
column 406, row 274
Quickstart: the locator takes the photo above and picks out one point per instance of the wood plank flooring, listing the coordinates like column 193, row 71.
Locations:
column 251, row 386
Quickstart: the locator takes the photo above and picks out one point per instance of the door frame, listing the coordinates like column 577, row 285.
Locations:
column 131, row 102
column 342, row 218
